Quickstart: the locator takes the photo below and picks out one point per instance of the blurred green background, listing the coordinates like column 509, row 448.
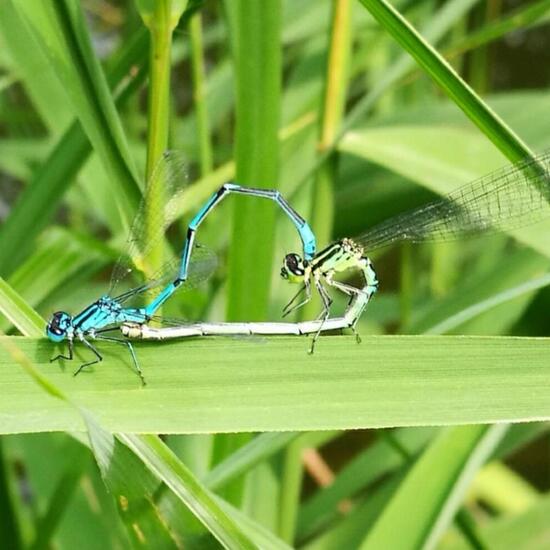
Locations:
column 322, row 100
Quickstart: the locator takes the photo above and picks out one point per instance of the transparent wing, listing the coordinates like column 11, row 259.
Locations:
column 203, row 263
column 170, row 180
column 511, row 197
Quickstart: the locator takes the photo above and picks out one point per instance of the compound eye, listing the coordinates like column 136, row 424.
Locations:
column 293, row 263
column 59, row 319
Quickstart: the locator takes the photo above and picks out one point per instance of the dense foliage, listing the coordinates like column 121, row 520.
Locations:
column 356, row 111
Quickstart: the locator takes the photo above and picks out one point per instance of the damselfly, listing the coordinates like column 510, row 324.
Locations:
column 178, row 329
column 113, row 308
column 110, row 310
column 505, row 199
column 511, row 197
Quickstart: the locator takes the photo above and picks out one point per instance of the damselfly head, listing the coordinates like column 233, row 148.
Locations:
column 293, row 269
column 56, row 329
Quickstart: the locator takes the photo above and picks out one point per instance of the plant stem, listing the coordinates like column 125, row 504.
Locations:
column 199, row 95
column 157, row 131
column 257, row 50
column 332, row 108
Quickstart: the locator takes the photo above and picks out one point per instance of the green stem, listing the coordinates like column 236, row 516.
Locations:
column 256, row 40
column 332, row 109
column 291, row 485
column 523, row 17
column 406, row 283
column 199, row 95
column 160, row 27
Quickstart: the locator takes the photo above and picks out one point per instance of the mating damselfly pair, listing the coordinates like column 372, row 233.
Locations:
column 508, row 198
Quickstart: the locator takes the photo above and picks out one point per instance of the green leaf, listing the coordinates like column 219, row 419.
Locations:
column 63, row 499
column 60, row 31
column 422, row 154
column 243, row 459
column 523, row 17
column 160, row 460
column 472, row 311
column 503, row 490
column 445, row 76
column 136, row 494
column 350, row 531
column 485, row 301
column 378, row 460
column 428, row 498
column 30, row 65
column 10, row 526
column 198, row 386
column 20, row 314
column 60, row 256
column 529, row 531
column 37, row 204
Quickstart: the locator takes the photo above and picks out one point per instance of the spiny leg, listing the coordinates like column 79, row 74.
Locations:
column 98, row 359
column 292, row 300
column 357, row 335
column 288, row 309
column 327, row 302
column 61, row 356
column 350, row 291
column 132, row 353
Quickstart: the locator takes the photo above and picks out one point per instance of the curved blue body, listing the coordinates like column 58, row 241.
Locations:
column 108, row 313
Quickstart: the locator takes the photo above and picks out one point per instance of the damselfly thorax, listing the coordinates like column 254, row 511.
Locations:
column 337, row 257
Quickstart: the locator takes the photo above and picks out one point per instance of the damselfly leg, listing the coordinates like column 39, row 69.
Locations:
column 350, row 291
column 289, row 308
column 323, row 316
column 61, row 356
column 98, row 359
column 132, row 353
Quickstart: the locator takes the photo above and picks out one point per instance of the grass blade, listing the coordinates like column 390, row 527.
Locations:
column 60, row 30
column 485, row 305
column 523, row 17
column 332, row 109
column 160, row 460
column 242, row 460
column 428, row 498
column 331, row 112
column 376, row 462
column 20, row 314
column 39, row 201
column 30, row 65
column 197, row 386
column 445, row 76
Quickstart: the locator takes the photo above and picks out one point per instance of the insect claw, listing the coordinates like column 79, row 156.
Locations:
column 77, row 371
column 60, row 356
